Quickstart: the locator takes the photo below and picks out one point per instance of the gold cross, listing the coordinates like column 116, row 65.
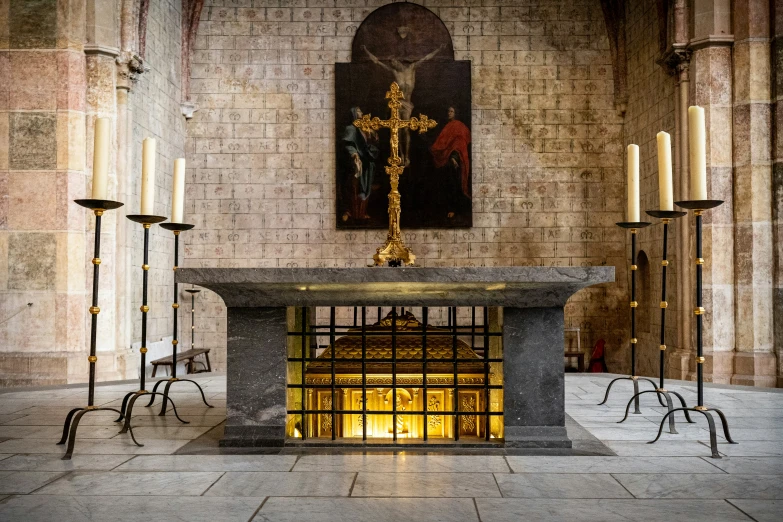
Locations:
column 394, row 250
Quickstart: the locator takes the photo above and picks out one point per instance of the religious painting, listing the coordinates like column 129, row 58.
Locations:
column 407, row 44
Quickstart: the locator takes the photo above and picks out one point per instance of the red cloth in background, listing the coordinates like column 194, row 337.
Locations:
column 455, row 136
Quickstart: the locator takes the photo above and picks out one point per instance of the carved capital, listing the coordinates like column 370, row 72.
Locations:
column 676, row 60
column 188, row 108
column 129, row 67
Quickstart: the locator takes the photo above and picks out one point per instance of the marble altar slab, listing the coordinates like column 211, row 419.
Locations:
column 521, row 286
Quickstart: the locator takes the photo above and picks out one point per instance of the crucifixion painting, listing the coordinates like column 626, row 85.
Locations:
column 405, row 44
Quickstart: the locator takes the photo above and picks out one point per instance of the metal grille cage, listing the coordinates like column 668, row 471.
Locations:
column 408, row 376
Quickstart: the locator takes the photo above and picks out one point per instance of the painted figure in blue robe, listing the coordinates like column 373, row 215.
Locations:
column 362, row 150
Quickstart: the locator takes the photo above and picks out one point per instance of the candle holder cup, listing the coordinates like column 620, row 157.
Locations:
column 666, row 217
column 634, row 226
column 126, row 411
column 98, row 207
column 698, row 207
column 176, row 228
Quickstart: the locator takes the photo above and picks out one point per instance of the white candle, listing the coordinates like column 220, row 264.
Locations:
column 665, row 171
column 178, row 191
column 633, row 183
column 100, row 158
column 697, row 142
column 147, row 177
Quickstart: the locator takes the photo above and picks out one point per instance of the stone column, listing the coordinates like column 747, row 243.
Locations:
column 777, row 181
column 100, row 53
column 42, row 233
column 711, row 88
column 679, row 359
column 256, row 393
column 533, row 378
column 754, row 360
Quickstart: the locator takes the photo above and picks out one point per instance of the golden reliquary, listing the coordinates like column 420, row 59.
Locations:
column 410, row 393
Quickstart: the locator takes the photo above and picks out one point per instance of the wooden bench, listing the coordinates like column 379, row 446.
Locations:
column 187, row 356
column 580, row 356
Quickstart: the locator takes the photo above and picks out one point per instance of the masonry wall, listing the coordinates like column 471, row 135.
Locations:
column 42, row 162
column 651, row 106
column 156, row 100
column 548, row 179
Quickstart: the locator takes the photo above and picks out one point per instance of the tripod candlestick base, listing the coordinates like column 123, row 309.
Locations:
column 98, row 207
column 176, row 228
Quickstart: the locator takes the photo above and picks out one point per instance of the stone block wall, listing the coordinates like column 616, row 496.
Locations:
column 548, row 179
column 156, row 99
column 42, row 168
column 651, row 106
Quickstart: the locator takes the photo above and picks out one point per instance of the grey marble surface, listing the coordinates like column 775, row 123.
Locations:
column 48, row 508
column 256, row 400
column 293, row 484
column 675, row 481
column 367, row 509
column 533, row 393
column 437, row 485
column 607, row 510
column 496, row 286
column 149, row 483
column 559, row 485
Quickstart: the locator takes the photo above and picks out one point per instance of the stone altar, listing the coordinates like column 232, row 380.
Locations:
column 533, row 339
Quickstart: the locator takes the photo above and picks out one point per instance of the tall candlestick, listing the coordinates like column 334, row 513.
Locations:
column 697, row 142
column 100, row 158
column 147, row 177
column 633, row 183
column 665, row 171
column 178, row 191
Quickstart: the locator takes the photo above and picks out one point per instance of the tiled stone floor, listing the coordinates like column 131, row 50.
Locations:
column 111, row 479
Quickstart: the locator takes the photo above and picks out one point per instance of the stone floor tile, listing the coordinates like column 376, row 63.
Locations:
column 577, row 464
column 437, row 485
column 662, row 448
column 8, row 418
column 12, row 482
column 131, row 483
column 175, row 430
column 187, row 411
column 559, row 485
column 744, row 465
column 93, row 446
column 684, row 432
column 703, row 486
column 263, row 484
column 209, row 463
column 751, row 434
column 607, row 510
column 752, row 448
column 55, row 432
column 55, row 463
column 402, row 463
column 278, row 509
column 46, row 508
column 760, row 510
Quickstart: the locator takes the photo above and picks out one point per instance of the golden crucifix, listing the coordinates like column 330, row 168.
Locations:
column 394, row 250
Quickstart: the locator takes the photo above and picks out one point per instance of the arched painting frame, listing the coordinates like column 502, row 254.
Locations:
column 407, row 43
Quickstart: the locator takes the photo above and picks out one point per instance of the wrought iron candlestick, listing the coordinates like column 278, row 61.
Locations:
column 98, row 207
column 634, row 226
column 193, row 292
column 176, row 228
column 394, row 250
column 698, row 207
column 666, row 216
column 130, row 398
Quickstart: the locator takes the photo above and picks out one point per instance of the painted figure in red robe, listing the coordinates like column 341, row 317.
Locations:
column 450, row 153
